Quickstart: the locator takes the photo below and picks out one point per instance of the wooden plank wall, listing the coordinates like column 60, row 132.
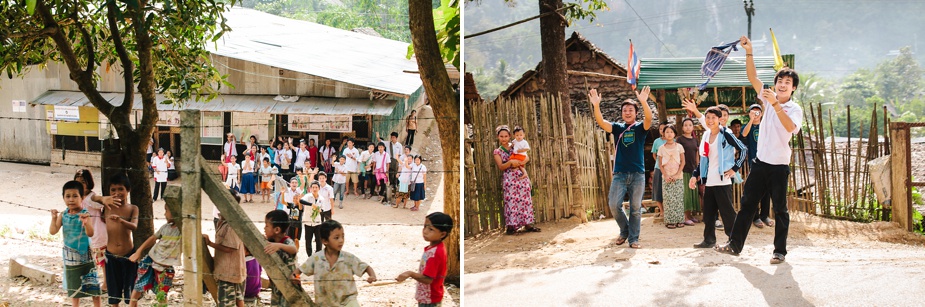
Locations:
column 548, row 168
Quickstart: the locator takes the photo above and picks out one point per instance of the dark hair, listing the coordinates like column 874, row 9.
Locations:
column 408, row 147
column 629, row 102
column 382, row 144
column 315, row 183
column 415, row 157
column 395, row 134
column 279, row 218
column 518, row 128
column 87, row 177
column 442, row 222
column 351, row 140
column 672, row 127
column 266, row 159
column 736, row 121
column 121, row 179
column 73, row 185
column 235, row 195
column 715, row 110
column 788, row 72
column 322, row 174
column 688, row 119
column 723, row 107
column 328, row 227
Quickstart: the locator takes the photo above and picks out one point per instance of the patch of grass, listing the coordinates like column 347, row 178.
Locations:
column 41, row 234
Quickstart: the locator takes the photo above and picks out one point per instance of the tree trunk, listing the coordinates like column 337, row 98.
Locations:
column 555, row 74
column 445, row 103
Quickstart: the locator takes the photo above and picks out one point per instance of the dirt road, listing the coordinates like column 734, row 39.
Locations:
column 571, row 264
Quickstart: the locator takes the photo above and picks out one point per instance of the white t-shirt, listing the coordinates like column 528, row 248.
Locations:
column 288, row 198
column 714, row 177
column 300, row 157
column 326, row 152
column 247, row 167
column 173, row 165
column 417, row 172
column 338, row 176
column 322, row 202
column 229, row 147
column 284, row 158
column 774, row 140
column 364, row 157
column 233, row 169
column 397, row 149
column 351, row 163
column 327, row 192
column 405, row 174
column 160, row 168
column 99, row 238
column 380, row 162
column 518, row 145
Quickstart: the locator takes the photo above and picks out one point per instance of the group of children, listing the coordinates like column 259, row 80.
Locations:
column 99, row 254
column 97, row 234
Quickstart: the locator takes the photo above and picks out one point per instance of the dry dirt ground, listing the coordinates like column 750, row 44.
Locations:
column 829, row 262
column 386, row 238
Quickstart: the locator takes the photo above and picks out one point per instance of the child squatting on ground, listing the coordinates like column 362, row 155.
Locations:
column 79, row 270
column 155, row 271
column 432, row 270
column 334, row 269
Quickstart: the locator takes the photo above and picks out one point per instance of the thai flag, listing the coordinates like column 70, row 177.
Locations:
column 632, row 75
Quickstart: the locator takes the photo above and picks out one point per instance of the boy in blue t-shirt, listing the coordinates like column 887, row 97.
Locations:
column 629, row 168
column 80, row 277
column 750, row 136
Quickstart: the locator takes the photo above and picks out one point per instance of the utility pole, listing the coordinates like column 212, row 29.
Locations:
column 750, row 11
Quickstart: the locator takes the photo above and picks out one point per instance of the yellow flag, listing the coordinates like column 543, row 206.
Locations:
column 778, row 60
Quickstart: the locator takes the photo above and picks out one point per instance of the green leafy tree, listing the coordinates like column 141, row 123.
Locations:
column 158, row 45
column 899, row 79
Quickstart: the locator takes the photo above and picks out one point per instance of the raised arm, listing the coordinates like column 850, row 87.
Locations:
column 643, row 97
column 55, row 226
column 750, row 69
column 595, row 100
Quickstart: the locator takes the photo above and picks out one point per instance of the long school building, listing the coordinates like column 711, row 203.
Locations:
column 291, row 78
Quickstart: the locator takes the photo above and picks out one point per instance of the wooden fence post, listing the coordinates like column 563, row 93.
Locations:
column 191, row 207
column 902, row 174
column 173, row 198
column 253, row 238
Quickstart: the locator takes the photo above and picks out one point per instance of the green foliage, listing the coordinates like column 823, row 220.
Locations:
column 584, row 9
column 178, row 32
column 389, row 18
column 447, row 25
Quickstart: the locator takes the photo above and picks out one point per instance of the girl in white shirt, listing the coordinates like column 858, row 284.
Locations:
column 233, row 181
column 160, row 164
column 380, row 168
column 366, row 186
column 404, row 180
column 340, row 180
column 248, row 179
column 418, row 175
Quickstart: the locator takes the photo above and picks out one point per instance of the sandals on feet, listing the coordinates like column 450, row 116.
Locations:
column 725, row 249
column 689, row 223
column 532, row 229
column 620, row 241
column 635, row 245
column 680, row 225
column 758, row 224
column 415, row 208
column 671, row 226
column 777, row 258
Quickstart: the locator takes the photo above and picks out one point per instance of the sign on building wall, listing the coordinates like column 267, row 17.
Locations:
column 244, row 125
column 212, row 128
column 19, row 106
column 67, row 113
column 168, row 118
column 321, row 123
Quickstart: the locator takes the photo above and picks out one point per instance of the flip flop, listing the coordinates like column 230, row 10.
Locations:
column 532, row 229
column 415, row 208
column 689, row 223
column 680, row 225
column 635, row 245
column 620, row 241
column 671, row 226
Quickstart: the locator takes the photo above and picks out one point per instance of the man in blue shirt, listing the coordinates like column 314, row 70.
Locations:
column 629, row 164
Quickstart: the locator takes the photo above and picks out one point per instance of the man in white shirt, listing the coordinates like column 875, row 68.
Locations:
column 772, row 169
column 350, row 166
column 365, row 171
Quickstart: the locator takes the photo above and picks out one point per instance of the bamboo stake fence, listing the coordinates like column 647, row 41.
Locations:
column 548, row 167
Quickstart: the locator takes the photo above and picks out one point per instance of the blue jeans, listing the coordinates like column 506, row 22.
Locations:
column 634, row 184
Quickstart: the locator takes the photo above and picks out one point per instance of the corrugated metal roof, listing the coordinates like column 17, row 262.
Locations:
column 685, row 72
column 319, row 50
column 239, row 103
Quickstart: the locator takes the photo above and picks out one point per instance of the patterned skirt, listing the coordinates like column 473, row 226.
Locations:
column 673, row 200
column 691, row 196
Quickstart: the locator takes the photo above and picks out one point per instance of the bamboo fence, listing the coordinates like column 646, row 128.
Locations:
column 549, row 167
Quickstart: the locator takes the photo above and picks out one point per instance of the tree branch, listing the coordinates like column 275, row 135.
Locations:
column 127, row 65
column 88, row 41
column 43, row 32
column 146, row 81
column 84, row 81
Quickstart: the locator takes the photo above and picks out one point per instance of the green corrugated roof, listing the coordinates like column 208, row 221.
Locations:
column 685, row 72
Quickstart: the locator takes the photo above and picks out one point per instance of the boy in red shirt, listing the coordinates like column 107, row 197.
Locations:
column 437, row 226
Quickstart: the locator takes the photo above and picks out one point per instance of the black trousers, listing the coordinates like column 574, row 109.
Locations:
column 159, row 187
column 410, row 138
column 764, row 208
column 717, row 198
column 765, row 179
column 315, row 231
column 120, row 277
